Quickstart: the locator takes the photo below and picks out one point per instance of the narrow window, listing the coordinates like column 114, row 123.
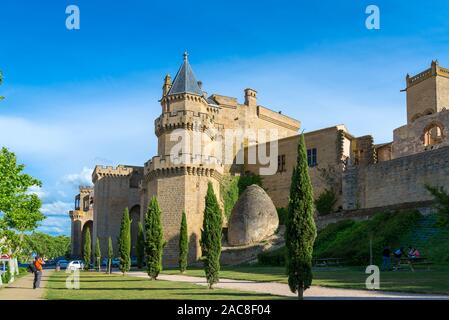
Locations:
column 281, row 163
column 312, row 157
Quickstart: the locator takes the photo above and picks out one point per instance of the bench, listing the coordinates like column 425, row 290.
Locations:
column 325, row 262
column 413, row 262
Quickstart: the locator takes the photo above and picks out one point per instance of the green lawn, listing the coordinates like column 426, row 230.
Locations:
column 435, row 280
column 101, row 286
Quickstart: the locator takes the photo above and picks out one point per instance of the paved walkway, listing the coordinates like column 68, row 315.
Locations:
column 22, row 288
column 314, row 293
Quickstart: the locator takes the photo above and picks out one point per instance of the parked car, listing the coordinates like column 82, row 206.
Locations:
column 62, row 264
column 75, row 265
column 115, row 263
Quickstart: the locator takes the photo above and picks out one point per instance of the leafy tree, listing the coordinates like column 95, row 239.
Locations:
column 20, row 208
column 124, row 243
column 140, row 247
column 98, row 254
column 300, row 225
column 154, row 240
column 441, row 198
column 211, row 237
column 183, row 244
column 87, row 253
column 325, row 202
column 247, row 180
column 110, row 255
column 46, row 245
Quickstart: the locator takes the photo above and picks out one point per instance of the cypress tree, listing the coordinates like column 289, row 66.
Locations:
column 124, row 243
column 300, row 231
column 211, row 237
column 183, row 244
column 154, row 240
column 140, row 246
column 98, row 254
column 110, row 255
column 87, row 249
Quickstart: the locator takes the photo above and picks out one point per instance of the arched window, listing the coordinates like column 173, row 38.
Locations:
column 433, row 134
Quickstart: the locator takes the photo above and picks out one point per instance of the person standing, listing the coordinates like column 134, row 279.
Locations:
column 38, row 263
column 386, row 265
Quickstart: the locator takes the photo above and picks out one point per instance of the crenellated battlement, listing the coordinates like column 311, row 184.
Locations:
column 185, row 119
column 183, row 97
column 110, row 171
column 186, row 164
column 80, row 215
column 434, row 70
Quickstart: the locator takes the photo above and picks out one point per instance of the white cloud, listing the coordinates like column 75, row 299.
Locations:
column 57, row 208
column 83, row 178
column 38, row 191
column 55, row 225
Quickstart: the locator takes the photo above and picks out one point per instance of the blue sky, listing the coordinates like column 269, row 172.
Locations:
column 84, row 97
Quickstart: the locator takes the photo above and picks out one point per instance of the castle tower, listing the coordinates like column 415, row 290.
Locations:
column 427, row 92
column 115, row 190
column 180, row 173
column 81, row 219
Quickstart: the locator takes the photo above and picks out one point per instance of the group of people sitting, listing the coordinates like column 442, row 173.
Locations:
column 412, row 253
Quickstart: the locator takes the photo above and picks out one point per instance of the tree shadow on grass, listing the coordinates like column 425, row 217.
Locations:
column 100, row 280
column 129, row 289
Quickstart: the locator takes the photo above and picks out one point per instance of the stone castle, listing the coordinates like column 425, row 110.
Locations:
column 362, row 174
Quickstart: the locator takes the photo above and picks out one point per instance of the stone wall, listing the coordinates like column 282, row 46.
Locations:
column 396, row 181
column 409, row 139
column 113, row 193
column 331, row 149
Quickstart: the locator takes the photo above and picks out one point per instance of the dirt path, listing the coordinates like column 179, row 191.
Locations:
column 314, row 293
column 22, row 288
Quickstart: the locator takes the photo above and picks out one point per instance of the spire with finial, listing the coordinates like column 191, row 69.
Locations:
column 185, row 81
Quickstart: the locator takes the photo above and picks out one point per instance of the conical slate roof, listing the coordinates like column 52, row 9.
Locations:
column 185, row 81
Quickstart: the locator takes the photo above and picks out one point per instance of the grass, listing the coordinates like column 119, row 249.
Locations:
column 434, row 281
column 99, row 286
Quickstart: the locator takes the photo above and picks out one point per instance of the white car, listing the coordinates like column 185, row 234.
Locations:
column 75, row 265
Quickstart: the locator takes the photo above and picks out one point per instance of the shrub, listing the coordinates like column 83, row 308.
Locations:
column 350, row 239
column 441, row 199
column 6, row 277
column 325, row 202
column 247, row 180
column 272, row 258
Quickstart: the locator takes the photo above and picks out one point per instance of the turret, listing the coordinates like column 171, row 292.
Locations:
column 250, row 97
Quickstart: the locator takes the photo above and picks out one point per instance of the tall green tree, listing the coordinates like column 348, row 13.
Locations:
column 20, row 207
column 110, row 255
column 211, row 237
column 300, row 225
column 140, row 246
column 154, row 240
column 124, row 243
column 183, row 244
column 98, row 254
column 87, row 252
